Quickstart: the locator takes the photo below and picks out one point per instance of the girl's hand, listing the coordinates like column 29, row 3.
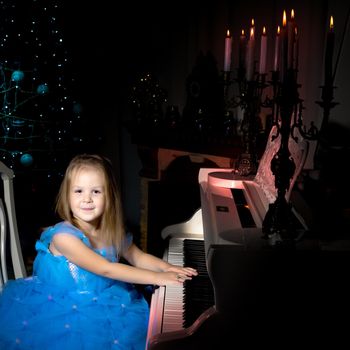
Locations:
column 186, row 271
column 175, row 275
column 171, row 278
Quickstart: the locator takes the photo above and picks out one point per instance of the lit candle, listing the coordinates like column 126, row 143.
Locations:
column 263, row 52
column 277, row 50
column 329, row 53
column 291, row 38
column 242, row 48
column 228, row 49
column 284, row 38
column 250, row 53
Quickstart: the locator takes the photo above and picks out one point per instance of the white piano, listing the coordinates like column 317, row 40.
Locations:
column 257, row 292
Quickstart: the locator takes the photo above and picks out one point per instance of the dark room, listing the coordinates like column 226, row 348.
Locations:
column 175, row 174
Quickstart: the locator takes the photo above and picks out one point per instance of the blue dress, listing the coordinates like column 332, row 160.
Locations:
column 63, row 306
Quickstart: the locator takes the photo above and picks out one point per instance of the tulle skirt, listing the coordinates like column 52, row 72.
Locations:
column 34, row 316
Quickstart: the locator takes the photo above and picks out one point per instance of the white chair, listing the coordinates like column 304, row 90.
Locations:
column 8, row 229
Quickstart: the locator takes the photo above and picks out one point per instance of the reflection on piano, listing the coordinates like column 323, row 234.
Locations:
column 259, row 294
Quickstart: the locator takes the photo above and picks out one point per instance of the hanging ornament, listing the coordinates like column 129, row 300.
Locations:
column 77, row 108
column 26, row 160
column 42, row 89
column 17, row 75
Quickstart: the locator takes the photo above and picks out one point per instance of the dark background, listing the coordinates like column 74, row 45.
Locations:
column 112, row 45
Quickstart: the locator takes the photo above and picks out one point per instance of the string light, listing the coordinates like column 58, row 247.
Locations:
column 38, row 114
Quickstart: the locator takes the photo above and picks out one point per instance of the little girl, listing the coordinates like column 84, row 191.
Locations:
column 81, row 296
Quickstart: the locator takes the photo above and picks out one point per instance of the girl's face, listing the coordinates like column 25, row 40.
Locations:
column 87, row 196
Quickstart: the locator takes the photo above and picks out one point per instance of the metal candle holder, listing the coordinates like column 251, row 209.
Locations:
column 250, row 100
column 286, row 107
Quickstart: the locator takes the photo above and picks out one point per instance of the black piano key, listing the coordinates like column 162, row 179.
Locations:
column 243, row 210
column 238, row 196
column 245, row 216
column 198, row 293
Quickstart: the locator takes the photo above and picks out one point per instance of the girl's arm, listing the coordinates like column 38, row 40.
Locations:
column 78, row 253
column 138, row 258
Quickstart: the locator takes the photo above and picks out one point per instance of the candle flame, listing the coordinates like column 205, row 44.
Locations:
column 252, row 33
column 292, row 14
column 264, row 30
column 331, row 23
column 284, row 22
column 243, row 32
column 253, row 22
column 228, row 33
column 278, row 30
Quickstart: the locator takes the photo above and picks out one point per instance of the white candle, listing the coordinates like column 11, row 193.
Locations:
column 263, row 52
column 250, row 55
column 228, row 49
column 277, row 50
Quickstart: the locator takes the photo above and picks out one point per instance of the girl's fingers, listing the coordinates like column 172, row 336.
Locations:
column 191, row 270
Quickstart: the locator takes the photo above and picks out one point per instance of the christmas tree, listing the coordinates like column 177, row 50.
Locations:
column 42, row 123
column 41, row 119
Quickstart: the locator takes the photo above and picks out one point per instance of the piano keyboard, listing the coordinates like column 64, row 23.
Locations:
column 173, row 302
column 199, row 292
column 184, row 303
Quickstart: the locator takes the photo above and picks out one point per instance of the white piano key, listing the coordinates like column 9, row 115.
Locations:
column 173, row 303
column 170, row 306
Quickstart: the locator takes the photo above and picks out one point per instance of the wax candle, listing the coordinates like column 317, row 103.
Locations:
column 242, row 49
column 263, row 52
column 296, row 50
column 250, row 54
column 329, row 53
column 291, row 38
column 277, row 49
column 284, row 41
column 228, row 49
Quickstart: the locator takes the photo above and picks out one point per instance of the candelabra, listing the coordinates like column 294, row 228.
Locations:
column 286, row 110
column 286, row 107
column 250, row 100
column 279, row 223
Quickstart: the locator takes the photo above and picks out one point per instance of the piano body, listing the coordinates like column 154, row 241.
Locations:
column 260, row 294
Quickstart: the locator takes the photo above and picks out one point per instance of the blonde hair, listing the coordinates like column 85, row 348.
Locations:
column 111, row 226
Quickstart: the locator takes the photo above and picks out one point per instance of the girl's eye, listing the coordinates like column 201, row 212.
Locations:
column 77, row 191
column 97, row 191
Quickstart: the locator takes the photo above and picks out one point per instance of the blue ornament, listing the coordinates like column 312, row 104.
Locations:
column 77, row 108
column 17, row 75
column 26, row 159
column 42, row 89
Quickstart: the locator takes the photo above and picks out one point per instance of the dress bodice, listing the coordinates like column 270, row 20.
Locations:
column 58, row 271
